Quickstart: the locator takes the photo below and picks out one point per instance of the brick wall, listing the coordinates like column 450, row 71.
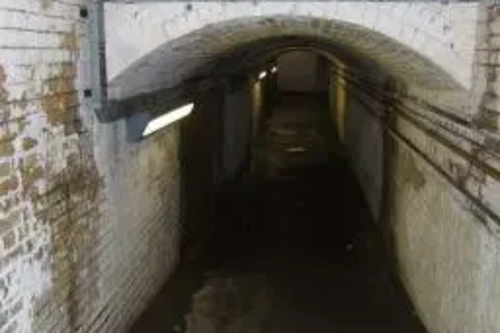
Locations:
column 443, row 240
column 442, row 236
column 401, row 36
column 364, row 134
column 88, row 225
column 445, row 224
column 441, row 189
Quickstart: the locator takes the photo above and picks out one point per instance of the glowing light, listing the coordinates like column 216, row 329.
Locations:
column 274, row 69
column 167, row 119
column 262, row 75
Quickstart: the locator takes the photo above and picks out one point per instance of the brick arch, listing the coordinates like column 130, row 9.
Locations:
column 159, row 45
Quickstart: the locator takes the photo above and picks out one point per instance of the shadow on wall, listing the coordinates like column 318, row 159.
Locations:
column 204, row 155
column 201, row 149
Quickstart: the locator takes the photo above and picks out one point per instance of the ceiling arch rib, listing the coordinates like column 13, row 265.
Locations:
column 190, row 55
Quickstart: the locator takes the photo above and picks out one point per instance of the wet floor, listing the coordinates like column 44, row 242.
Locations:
column 295, row 249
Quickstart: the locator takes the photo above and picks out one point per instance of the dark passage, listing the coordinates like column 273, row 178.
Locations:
column 295, row 249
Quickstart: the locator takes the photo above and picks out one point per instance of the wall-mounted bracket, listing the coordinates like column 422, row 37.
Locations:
column 97, row 61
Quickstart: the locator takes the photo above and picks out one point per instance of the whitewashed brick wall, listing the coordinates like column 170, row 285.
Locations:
column 88, row 222
column 414, row 41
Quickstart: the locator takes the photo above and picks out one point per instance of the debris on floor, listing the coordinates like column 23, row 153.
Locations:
column 296, row 150
column 239, row 304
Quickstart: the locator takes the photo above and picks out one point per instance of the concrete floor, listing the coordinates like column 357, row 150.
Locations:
column 295, row 249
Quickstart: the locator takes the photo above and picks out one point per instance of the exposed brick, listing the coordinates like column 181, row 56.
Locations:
column 99, row 267
column 8, row 185
column 4, row 169
column 6, row 148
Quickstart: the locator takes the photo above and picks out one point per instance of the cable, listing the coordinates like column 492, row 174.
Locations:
column 401, row 138
column 374, row 88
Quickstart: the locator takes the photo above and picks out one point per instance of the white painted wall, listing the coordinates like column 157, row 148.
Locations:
column 405, row 38
column 89, row 222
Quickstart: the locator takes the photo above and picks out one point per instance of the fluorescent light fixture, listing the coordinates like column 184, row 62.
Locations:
column 262, row 75
column 274, row 69
column 168, row 118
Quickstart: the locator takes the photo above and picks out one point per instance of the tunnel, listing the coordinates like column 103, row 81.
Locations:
column 277, row 235
column 249, row 166
column 285, row 174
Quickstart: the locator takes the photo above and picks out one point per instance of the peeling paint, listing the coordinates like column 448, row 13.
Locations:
column 30, row 175
column 68, row 70
column 82, row 185
column 70, row 40
column 9, row 185
column 22, row 103
column 71, row 208
column 60, row 101
column 6, row 148
column 51, row 266
column 71, row 217
column 4, row 169
column 4, row 94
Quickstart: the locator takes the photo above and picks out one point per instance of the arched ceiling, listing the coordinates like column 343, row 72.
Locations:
column 195, row 53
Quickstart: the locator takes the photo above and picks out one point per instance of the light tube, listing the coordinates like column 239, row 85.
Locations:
column 168, row 118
